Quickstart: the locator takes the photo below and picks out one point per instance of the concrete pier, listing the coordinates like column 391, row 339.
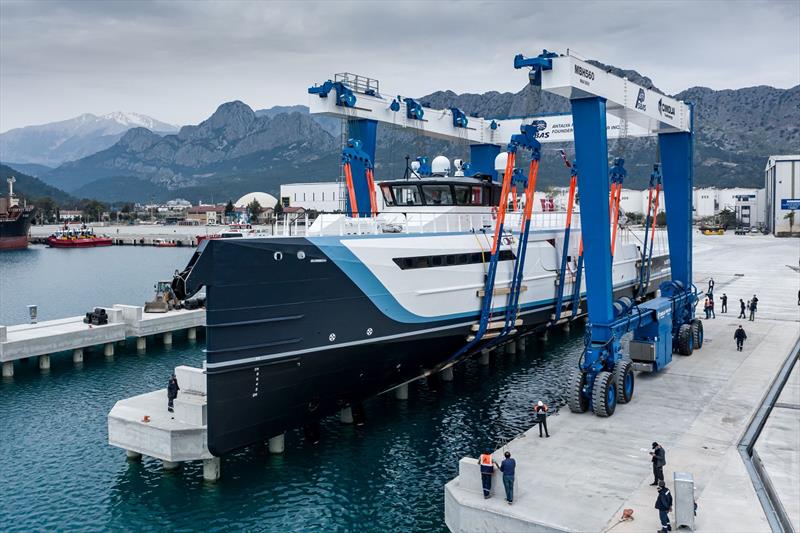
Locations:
column 484, row 358
column 8, row 369
column 212, row 469
column 108, row 350
column 44, row 362
column 401, row 392
column 447, row 374
column 191, row 334
column 698, row 408
column 167, row 338
column 77, row 356
column 141, row 344
column 276, row 444
column 346, row 416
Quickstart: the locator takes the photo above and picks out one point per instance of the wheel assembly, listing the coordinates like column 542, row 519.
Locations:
column 685, row 340
column 577, row 401
column 604, row 394
column 624, row 381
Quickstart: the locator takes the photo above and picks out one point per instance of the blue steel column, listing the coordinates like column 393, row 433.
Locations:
column 365, row 131
column 676, row 162
column 591, row 150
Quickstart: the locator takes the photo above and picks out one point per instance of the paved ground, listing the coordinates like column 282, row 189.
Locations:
column 698, row 408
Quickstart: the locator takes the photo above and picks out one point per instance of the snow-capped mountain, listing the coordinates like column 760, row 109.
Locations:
column 66, row 140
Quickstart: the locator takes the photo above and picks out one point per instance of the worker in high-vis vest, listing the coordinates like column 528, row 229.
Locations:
column 487, row 469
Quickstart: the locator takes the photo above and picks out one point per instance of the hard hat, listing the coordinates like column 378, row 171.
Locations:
column 540, row 404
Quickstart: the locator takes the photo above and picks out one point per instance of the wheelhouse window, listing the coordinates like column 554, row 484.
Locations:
column 387, row 195
column 407, row 195
column 469, row 195
column 437, row 195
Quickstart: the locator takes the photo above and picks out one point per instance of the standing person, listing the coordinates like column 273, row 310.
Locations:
column 740, row 336
column 541, row 417
column 172, row 392
column 707, row 308
column 742, row 308
column 711, row 305
column 710, row 285
column 659, row 458
column 487, row 469
column 724, row 303
column 753, row 307
column 508, row 467
column 664, row 506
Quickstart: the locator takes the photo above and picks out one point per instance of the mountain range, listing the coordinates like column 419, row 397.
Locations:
column 54, row 143
column 238, row 150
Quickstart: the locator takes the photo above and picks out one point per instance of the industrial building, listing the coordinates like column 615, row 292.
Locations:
column 782, row 187
column 322, row 196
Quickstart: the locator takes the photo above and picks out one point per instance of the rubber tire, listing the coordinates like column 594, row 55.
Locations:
column 604, row 395
column 622, row 371
column 577, row 402
column 697, row 333
column 685, row 340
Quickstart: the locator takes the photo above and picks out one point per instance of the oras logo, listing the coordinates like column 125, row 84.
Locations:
column 640, row 105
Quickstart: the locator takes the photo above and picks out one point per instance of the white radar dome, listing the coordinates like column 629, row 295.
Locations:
column 500, row 162
column 440, row 166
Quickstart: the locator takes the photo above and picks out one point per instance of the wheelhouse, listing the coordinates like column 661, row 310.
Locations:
column 441, row 192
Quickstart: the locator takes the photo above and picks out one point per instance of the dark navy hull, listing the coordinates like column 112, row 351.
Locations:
column 292, row 340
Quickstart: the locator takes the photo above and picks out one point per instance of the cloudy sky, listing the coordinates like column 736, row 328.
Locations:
column 177, row 61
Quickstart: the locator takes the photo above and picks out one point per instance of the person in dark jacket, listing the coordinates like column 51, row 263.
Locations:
column 508, row 467
column 659, row 458
column 753, row 308
column 664, row 506
column 740, row 336
column 710, row 285
column 724, row 299
column 742, row 308
column 707, row 308
column 172, row 392
column 540, row 411
column 711, row 306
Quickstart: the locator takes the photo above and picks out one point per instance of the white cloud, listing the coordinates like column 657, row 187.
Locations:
column 177, row 61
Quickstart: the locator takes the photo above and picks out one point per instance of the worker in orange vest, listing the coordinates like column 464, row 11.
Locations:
column 487, row 469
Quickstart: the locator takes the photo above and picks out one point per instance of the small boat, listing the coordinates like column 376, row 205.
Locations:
column 163, row 243
column 78, row 238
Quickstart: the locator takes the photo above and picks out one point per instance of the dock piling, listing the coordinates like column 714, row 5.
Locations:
column 141, row 344
column 276, row 444
column 511, row 348
column 484, row 358
column 170, row 465
column 447, row 374
column 191, row 334
column 108, row 350
column 401, row 392
column 77, row 356
column 44, row 362
column 346, row 416
column 212, row 469
column 132, row 455
column 8, row 369
column 167, row 338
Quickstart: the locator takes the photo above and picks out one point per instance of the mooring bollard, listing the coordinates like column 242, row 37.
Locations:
column 346, row 416
column 77, row 356
column 44, row 362
column 276, row 444
column 401, row 392
column 447, row 374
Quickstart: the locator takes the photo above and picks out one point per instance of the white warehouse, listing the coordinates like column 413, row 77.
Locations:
column 782, row 184
column 320, row 196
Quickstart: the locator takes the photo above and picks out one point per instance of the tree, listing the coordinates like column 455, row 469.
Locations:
column 790, row 217
column 727, row 218
column 93, row 210
column 46, row 209
column 253, row 210
column 126, row 211
column 661, row 219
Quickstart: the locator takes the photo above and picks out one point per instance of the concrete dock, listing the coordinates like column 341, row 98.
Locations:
column 71, row 334
column 698, row 408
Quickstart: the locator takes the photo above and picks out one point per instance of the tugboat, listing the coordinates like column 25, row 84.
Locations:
column 15, row 220
column 301, row 326
column 77, row 238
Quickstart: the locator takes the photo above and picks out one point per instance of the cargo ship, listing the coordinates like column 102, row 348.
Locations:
column 15, row 220
column 300, row 327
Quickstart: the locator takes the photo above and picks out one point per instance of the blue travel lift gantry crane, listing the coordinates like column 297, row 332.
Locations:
column 604, row 377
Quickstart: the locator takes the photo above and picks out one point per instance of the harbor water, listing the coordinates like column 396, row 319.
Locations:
column 58, row 472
